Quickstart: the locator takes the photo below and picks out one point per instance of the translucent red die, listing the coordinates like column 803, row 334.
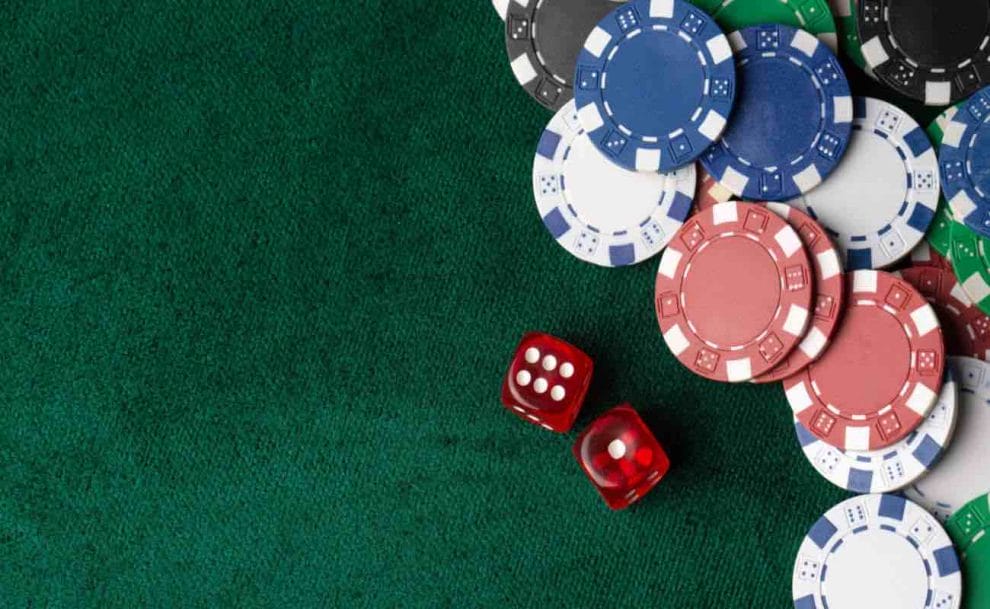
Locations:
column 547, row 381
column 621, row 456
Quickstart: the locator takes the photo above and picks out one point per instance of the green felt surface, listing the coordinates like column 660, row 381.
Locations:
column 262, row 266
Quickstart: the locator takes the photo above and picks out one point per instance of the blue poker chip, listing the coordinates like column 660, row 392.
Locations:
column 654, row 84
column 792, row 121
column 964, row 159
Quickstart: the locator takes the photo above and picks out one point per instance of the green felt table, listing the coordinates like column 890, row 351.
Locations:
column 263, row 264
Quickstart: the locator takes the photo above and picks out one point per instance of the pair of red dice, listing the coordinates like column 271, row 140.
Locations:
column 546, row 385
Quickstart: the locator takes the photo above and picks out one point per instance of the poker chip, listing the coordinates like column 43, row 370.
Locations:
column 710, row 192
column 876, row 551
column 971, row 261
column 970, row 531
column 598, row 211
column 655, row 84
column 792, row 121
column 892, row 468
column 934, row 250
column 883, row 195
column 501, row 7
column 809, row 15
column 709, row 6
column 965, row 328
column 829, row 285
column 934, row 52
column 845, row 16
column 543, row 38
column 882, row 373
column 962, row 473
column 937, row 127
column 939, row 235
column 733, row 291
column 964, row 157
column 924, row 254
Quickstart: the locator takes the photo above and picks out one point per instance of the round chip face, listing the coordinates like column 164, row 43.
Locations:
column 809, row 15
column 962, row 473
column 971, row 262
column 598, row 211
column 965, row 158
column 710, row 193
column 655, row 83
column 792, row 121
column 965, row 328
column 543, row 38
column 934, row 52
column 887, row 469
column 881, row 376
column 882, row 197
column 733, row 292
column 970, row 531
column 830, row 289
column 876, row 551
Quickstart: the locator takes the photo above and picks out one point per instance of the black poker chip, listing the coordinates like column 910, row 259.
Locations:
column 934, row 51
column 543, row 39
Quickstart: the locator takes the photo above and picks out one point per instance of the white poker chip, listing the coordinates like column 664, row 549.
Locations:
column 598, row 211
column 964, row 471
column 877, row 552
column 501, row 7
column 882, row 197
column 888, row 469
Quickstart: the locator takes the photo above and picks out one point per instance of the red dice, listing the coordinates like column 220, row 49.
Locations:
column 621, row 456
column 547, row 381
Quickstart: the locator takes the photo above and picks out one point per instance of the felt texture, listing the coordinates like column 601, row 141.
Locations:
column 262, row 266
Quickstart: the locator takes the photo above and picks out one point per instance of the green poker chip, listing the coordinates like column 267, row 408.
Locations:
column 971, row 262
column 969, row 528
column 936, row 130
column 939, row 234
column 810, row 15
column 709, row 6
column 845, row 14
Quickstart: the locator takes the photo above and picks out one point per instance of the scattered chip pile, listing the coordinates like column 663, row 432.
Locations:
column 807, row 236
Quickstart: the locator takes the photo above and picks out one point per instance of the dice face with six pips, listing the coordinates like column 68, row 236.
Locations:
column 547, row 381
column 621, row 457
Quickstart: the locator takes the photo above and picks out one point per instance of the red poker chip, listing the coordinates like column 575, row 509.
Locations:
column 733, row 292
column 709, row 192
column 965, row 327
column 882, row 373
column 830, row 290
column 924, row 254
